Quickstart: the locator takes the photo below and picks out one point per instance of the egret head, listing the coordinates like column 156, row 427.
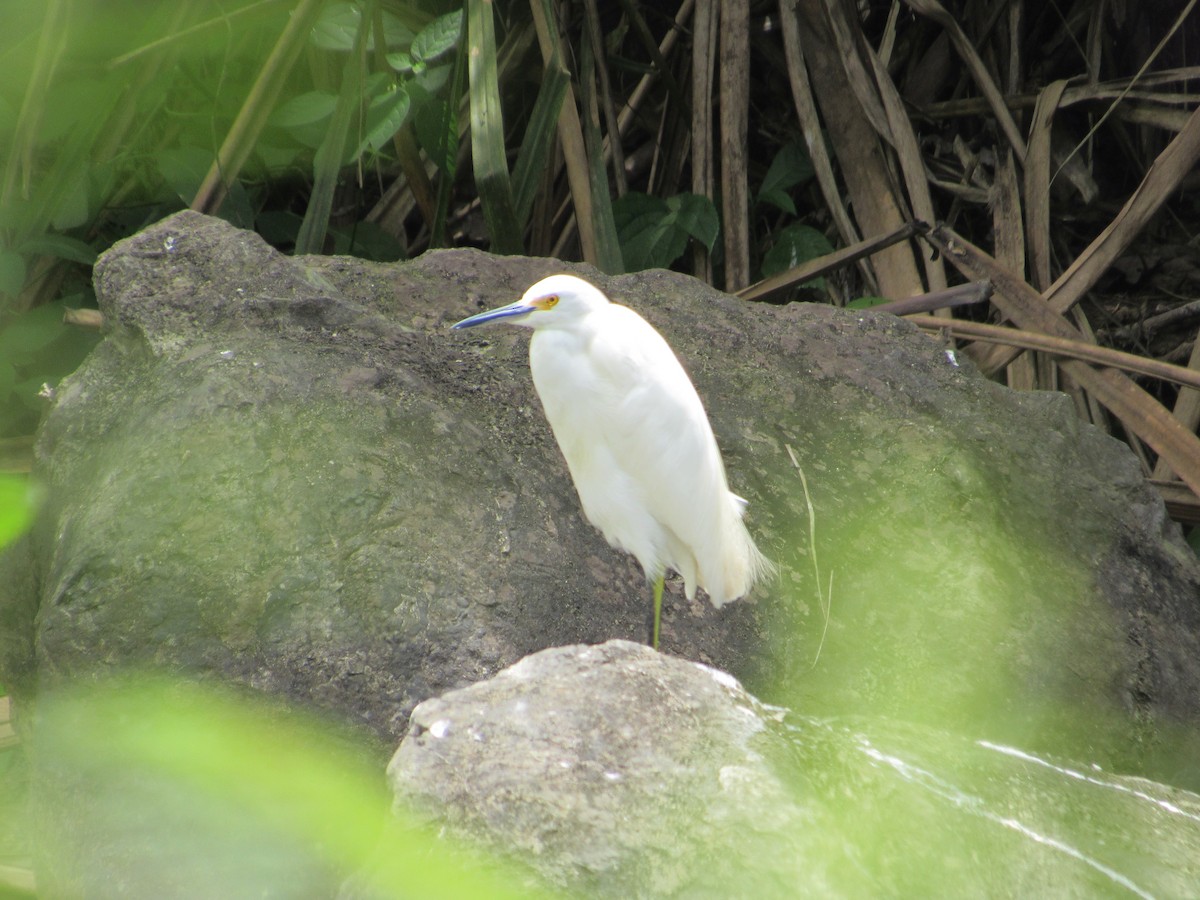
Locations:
column 557, row 301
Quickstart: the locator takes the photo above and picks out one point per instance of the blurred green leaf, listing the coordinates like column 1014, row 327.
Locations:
column 655, row 232
column 61, row 246
column 201, row 760
column 30, row 332
column 790, row 167
column 339, row 24
column 307, row 109
column 12, row 273
column 184, row 170
column 794, row 245
column 36, row 348
column 433, row 79
column 8, row 383
column 433, row 122
column 18, row 503
column 73, row 209
column 336, row 28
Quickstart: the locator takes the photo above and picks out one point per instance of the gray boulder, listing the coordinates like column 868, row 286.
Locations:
column 614, row 770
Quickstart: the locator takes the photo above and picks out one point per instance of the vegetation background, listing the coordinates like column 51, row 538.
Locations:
column 738, row 141
column 780, row 150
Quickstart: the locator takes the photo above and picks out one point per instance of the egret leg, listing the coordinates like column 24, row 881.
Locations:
column 656, row 612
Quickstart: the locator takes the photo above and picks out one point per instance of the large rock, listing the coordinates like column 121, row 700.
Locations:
column 290, row 473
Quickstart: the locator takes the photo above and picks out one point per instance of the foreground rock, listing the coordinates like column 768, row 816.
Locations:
column 613, row 771
column 289, row 473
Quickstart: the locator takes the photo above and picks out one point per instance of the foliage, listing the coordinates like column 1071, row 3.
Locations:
column 791, row 167
column 655, row 232
column 253, row 783
column 18, row 501
column 35, row 348
column 794, row 245
column 617, row 133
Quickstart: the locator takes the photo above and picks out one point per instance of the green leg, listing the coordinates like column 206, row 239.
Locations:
column 656, row 615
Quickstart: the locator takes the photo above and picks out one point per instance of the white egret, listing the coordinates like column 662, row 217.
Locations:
column 636, row 439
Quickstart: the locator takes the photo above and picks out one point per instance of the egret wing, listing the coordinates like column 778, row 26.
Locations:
column 659, row 434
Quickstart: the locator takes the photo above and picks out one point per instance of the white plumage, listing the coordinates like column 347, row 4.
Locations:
column 636, row 438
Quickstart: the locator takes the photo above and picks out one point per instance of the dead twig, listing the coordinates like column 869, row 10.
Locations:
column 1063, row 347
column 1140, row 413
column 815, row 268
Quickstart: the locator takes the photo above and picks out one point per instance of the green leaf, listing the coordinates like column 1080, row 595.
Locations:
column 60, row 246
column 30, row 332
column 433, row 122
column 401, row 61
column 778, row 199
column 12, row 273
column 794, row 245
column 655, row 232
column 697, row 216
column 791, row 166
column 339, row 24
column 385, row 116
column 278, row 228
column 307, row 109
column 336, row 28
column 8, row 384
column 18, row 502
column 366, row 240
column 433, row 79
column 183, row 169
column 72, row 209
column 540, row 134
column 438, row 38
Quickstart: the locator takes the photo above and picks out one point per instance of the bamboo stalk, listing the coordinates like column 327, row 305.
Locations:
column 252, row 117
column 570, row 131
column 327, row 162
column 488, row 152
column 734, row 86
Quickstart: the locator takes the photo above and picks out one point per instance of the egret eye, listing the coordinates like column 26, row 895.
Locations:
column 550, row 302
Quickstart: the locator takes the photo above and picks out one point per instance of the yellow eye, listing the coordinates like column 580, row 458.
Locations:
column 550, row 302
